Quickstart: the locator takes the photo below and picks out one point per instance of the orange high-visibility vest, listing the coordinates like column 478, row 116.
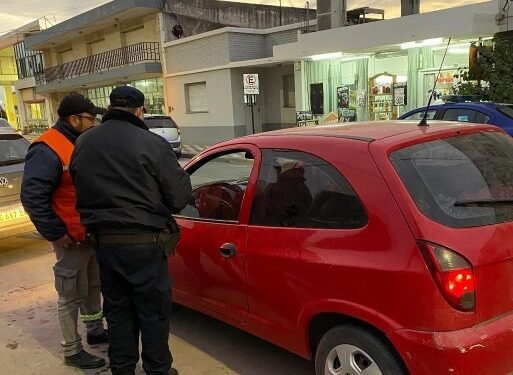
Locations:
column 64, row 197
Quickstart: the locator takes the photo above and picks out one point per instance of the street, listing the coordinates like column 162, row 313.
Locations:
column 30, row 334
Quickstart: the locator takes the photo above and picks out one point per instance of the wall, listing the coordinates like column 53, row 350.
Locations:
column 203, row 128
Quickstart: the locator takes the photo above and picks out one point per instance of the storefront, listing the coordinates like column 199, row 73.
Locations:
column 381, row 85
column 152, row 89
column 380, row 70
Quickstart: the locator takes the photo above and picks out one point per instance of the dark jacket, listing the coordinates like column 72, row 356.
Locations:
column 126, row 176
column 42, row 175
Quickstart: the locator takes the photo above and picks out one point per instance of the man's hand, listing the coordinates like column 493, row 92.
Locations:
column 65, row 242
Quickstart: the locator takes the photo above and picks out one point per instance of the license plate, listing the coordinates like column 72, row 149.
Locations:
column 12, row 213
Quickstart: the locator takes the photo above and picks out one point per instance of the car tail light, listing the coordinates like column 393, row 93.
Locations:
column 453, row 274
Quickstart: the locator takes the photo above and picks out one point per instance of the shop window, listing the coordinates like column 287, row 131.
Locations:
column 295, row 189
column 196, row 97
column 289, row 91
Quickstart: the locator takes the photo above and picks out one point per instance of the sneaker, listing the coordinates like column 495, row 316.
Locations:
column 99, row 339
column 84, row 360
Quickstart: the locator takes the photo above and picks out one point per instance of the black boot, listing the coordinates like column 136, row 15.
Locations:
column 84, row 360
column 99, row 339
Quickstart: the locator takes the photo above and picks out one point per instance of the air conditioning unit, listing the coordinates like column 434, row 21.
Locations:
column 331, row 14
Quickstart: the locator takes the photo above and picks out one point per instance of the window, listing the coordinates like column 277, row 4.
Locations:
column 218, row 187
column 160, row 123
column 506, row 110
column 196, row 97
column 289, row 91
column 419, row 115
column 295, row 189
column 13, row 149
column 465, row 115
column 460, row 181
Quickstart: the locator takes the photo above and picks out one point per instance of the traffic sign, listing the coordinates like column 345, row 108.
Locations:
column 251, row 84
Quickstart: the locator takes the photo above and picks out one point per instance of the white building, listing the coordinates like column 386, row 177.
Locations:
column 304, row 71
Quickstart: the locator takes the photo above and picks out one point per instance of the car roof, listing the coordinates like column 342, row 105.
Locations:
column 366, row 131
column 462, row 104
column 149, row 116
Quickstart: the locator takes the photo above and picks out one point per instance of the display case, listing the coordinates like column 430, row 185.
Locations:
column 381, row 97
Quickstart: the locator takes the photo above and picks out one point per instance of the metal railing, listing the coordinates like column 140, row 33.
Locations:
column 129, row 55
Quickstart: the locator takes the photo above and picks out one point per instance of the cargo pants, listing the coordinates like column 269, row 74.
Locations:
column 77, row 281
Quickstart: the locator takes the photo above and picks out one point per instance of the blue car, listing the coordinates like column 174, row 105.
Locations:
column 500, row 115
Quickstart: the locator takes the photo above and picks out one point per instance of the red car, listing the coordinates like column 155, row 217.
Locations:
column 379, row 248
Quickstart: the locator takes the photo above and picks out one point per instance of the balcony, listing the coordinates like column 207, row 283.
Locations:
column 144, row 52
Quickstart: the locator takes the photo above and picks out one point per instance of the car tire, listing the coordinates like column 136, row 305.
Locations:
column 178, row 155
column 364, row 352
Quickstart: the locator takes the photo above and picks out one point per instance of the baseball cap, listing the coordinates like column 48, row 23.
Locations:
column 126, row 96
column 77, row 103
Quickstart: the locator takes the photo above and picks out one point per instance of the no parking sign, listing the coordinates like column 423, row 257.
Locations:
column 251, row 84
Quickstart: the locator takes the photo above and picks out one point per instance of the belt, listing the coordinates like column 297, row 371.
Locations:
column 128, row 238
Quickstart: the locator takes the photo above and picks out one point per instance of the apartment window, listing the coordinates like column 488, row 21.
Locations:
column 289, row 91
column 196, row 97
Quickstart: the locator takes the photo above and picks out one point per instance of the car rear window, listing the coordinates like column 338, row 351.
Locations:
column 13, row 149
column 157, row 123
column 462, row 181
column 506, row 110
column 4, row 123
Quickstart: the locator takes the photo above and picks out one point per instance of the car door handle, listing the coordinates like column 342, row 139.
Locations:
column 228, row 250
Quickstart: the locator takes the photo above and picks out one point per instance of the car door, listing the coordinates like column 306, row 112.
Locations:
column 209, row 266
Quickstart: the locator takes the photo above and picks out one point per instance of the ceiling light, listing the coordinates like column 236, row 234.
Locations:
column 424, row 43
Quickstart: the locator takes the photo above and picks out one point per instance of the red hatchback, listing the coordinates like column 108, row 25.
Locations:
column 380, row 248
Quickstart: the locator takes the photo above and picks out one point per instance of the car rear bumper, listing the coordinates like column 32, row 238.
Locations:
column 479, row 350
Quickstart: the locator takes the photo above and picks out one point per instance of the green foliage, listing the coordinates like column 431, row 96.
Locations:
column 494, row 68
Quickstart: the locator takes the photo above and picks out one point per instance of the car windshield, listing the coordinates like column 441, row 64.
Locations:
column 506, row 109
column 462, row 181
column 13, row 149
column 159, row 123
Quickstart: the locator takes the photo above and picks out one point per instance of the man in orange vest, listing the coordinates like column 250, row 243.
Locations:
column 48, row 196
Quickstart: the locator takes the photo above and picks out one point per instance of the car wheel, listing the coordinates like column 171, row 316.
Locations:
column 350, row 350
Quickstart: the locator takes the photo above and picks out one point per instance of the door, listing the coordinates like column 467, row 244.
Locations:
column 209, row 266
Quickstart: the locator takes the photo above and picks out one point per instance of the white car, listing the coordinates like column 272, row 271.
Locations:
column 167, row 128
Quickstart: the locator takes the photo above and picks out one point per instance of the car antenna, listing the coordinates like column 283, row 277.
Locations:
column 424, row 122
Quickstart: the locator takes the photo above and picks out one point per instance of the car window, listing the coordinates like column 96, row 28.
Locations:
column 296, row 189
column 460, row 181
column 218, row 187
column 158, row 123
column 13, row 149
column 465, row 115
column 420, row 115
column 4, row 123
column 506, row 110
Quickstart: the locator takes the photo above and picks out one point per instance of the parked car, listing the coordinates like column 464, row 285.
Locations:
column 375, row 248
column 167, row 128
column 500, row 115
column 13, row 219
column 6, row 127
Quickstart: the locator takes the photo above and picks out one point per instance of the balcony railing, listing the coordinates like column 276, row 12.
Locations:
column 116, row 58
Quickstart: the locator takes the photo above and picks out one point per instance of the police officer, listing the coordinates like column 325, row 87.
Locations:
column 48, row 196
column 129, row 184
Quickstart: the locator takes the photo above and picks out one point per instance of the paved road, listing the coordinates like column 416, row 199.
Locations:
column 29, row 335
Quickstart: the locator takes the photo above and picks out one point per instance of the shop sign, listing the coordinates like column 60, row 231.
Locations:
column 400, row 94
column 361, row 98
column 305, row 118
column 343, row 96
column 346, row 115
column 251, row 84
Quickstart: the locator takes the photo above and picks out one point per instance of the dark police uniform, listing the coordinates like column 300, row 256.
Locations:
column 128, row 184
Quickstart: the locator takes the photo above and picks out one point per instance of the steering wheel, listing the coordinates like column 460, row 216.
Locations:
column 220, row 200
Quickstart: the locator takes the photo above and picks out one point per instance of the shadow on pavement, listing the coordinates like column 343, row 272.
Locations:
column 239, row 351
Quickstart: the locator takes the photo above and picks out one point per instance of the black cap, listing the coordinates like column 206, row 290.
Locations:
column 74, row 104
column 126, row 96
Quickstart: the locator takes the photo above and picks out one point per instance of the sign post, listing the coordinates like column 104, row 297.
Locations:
column 251, row 90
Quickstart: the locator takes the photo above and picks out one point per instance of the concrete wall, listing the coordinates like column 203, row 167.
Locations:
column 210, row 15
column 203, row 128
